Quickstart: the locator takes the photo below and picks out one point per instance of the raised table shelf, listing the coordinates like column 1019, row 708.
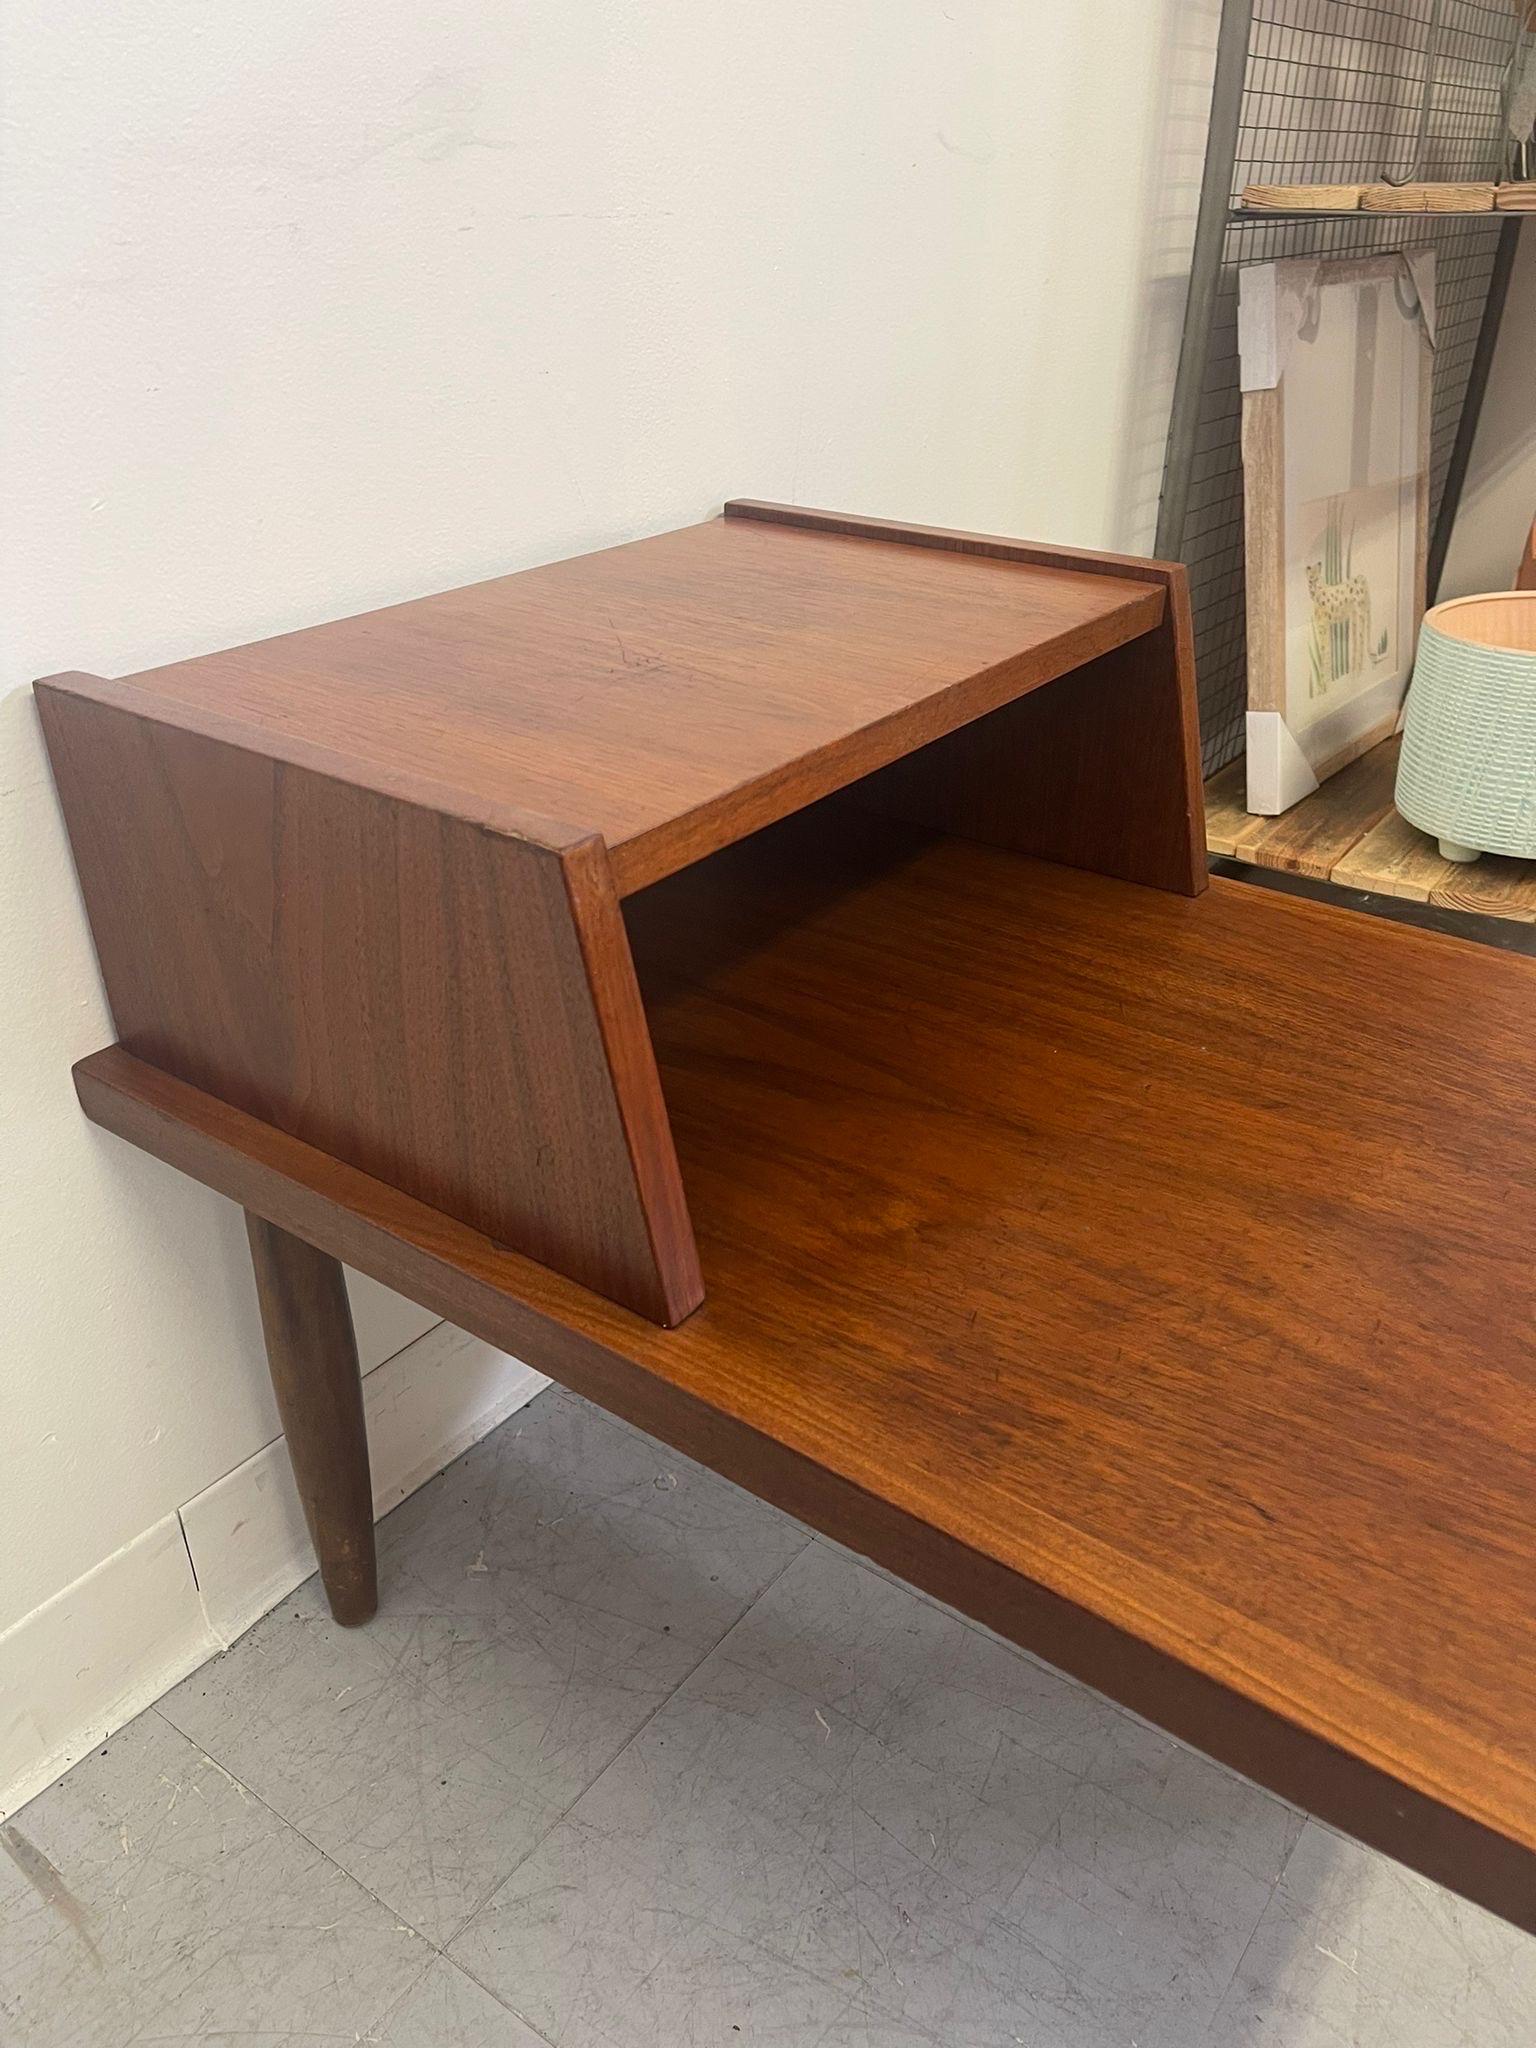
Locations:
column 666, row 696
column 1144, row 1271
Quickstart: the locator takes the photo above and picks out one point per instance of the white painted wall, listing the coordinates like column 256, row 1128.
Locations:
column 320, row 304
column 1498, row 499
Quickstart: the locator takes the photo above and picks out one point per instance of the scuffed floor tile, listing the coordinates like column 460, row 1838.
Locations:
column 447, row 2010
column 1353, row 1951
column 148, row 1897
column 566, row 1508
column 879, row 1796
column 659, row 1771
column 596, row 1954
column 915, row 1674
column 540, row 1600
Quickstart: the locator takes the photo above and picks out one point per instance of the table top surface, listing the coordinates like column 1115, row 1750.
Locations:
column 1174, row 1254
column 667, row 695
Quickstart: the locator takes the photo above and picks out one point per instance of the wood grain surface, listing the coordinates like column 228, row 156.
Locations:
column 951, row 540
column 443, row 1005
column 1147, row 1275
column 1393, row 859
column 1228, row 820
column 1263, row 447
column 1396, row 859
column 667, row 696
column 1301, row 198
column 329, row 880
column 1092, row 771
column 1495, row 886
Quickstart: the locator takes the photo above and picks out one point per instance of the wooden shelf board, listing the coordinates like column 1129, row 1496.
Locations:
column 1118, row 1265
column 1257, row 216
column 1348, row 833
column 666, row 696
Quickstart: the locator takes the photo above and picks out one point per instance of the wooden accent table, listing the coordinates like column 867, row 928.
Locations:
column 1145, row 1271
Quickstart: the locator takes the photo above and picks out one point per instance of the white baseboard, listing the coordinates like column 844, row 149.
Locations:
column 111, row 1644
column 93, row 1656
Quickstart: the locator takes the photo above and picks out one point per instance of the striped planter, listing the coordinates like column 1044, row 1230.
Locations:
column 1468, row 767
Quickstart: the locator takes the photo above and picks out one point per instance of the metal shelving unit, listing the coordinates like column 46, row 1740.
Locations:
column 1329, row 92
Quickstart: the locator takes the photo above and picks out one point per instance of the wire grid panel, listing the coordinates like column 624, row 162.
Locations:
column 1333, row 95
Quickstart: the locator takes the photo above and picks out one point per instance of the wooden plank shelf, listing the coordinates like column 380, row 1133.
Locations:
column 1348, row 833
column 867, row 1094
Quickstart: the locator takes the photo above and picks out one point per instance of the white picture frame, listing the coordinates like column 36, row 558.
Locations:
column 1337, row 380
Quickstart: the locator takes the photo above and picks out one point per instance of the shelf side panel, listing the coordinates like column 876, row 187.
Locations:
column 441, row 1005
column 1098, row 770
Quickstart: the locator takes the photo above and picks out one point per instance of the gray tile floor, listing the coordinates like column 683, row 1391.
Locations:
column 630, row 1761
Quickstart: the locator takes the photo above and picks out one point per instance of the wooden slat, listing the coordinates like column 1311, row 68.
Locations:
column 1311, row 837
column 1493, row 886
column 1316, row 834
column 1348, row 833
column 1227, row 816
column 1395, row 859
column 1387, row 857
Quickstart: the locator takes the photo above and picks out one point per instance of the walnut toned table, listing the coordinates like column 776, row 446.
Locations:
column 764, row 977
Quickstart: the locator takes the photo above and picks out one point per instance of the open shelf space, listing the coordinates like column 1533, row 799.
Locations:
column 1119, row 1265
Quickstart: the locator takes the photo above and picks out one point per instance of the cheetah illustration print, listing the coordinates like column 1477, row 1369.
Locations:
column 1341, row 627
column 1342, row 641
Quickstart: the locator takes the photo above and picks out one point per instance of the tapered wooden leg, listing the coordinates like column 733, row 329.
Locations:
column 313, row 1359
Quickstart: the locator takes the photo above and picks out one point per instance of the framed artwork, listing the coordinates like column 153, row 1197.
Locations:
column 1336, row 362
